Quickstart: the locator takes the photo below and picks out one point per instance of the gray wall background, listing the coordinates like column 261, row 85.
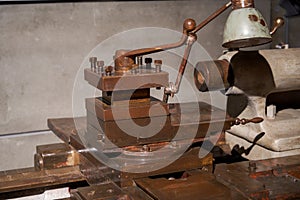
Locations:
column 43, row 45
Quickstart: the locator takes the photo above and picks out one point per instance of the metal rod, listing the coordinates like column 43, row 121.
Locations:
column 211, row 17
column 172, row 89
column 138, row 52
column 184, row 61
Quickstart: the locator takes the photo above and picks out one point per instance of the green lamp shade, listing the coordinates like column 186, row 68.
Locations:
column 245, row 27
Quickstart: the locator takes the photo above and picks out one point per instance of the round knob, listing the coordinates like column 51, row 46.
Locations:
column 108, row 70
column 189, row 25
column 279, row 21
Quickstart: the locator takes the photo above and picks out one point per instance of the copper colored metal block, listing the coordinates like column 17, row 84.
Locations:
column 124, row 97
column 110, row 132
column 136, row 110
column 126, row 80
column 55, row 156
column 183, row 116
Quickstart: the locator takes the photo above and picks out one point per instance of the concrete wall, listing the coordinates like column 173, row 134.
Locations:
column 43, row 45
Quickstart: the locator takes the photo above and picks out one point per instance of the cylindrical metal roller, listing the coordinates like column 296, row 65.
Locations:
column 211, row 75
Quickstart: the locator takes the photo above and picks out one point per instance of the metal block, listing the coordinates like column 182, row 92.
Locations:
column 128, row 111
column 138, row 80
column 55, row 156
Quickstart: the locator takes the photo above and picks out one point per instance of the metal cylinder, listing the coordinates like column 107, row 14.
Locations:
column 123, row 63
column 93, row 61
column 211, row 75
column 236, row 4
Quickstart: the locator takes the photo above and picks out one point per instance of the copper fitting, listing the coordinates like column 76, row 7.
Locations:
column 237, row 4
column 123, row 63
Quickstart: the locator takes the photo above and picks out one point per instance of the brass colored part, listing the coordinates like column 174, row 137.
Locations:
column 244, row 121
column 279, row 22
column 55, row 156
column 189, row 25
column 123, row 62
column 236, row 4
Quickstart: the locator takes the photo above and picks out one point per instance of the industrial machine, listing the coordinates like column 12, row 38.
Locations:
column 131, row 145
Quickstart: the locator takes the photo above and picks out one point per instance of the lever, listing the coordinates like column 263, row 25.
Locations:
column 244, row 121
column 279, row 21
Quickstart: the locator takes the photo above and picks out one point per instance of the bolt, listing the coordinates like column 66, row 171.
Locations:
column 139, row 61
column 173, row 144
column 100, row 65
column 110, row 191
column 158, row 64
column 252, row 166
column 146, row 148
column 93, row 61
column 148, row 62
column 101, row 137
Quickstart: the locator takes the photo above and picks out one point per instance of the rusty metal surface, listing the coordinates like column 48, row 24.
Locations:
column 16, row 181
column 145, row 78
column 188, row 161
column 191, row 185
column 184, row 116
column 64, row 128
column 109, row 132
column 108, row 191
column 136, row 193
column 266, row 179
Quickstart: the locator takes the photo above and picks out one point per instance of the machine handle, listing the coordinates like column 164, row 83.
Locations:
column 244, row 121
column 279, row 21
